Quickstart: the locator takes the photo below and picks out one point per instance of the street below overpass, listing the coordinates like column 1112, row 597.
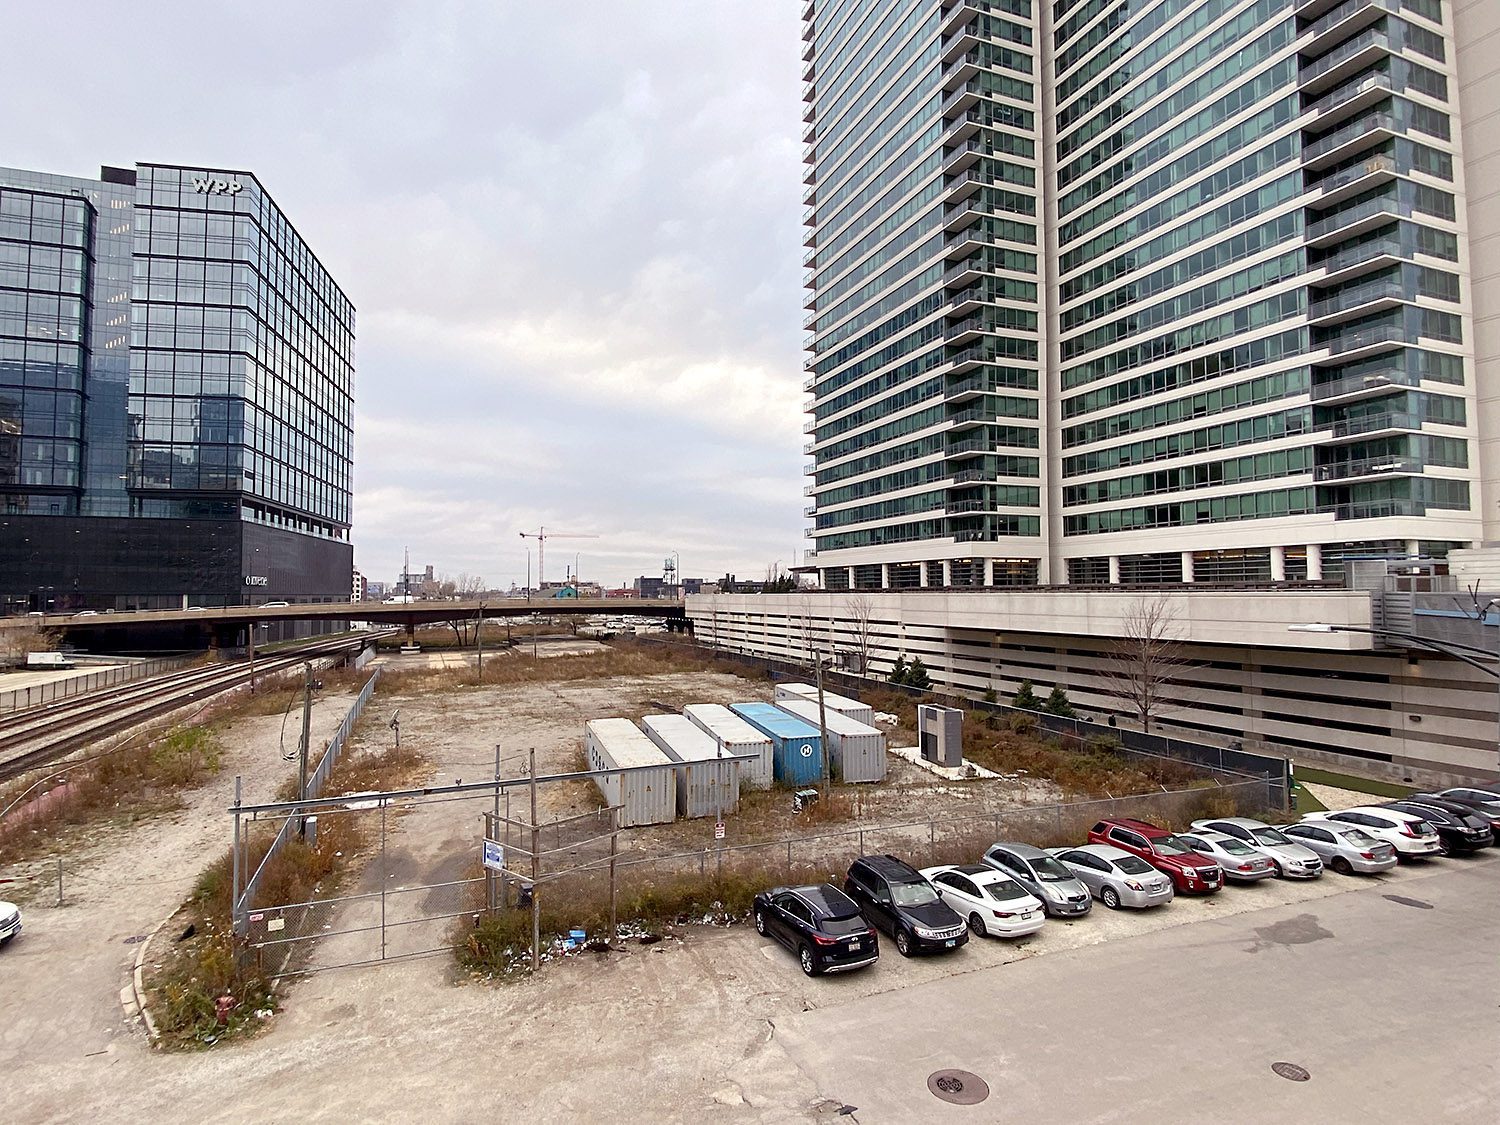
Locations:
column 1390, row 1002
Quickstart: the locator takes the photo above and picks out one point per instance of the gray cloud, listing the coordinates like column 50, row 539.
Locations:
column 571, row 232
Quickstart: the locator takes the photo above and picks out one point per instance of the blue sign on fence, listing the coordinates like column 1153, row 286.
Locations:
column 492, row 855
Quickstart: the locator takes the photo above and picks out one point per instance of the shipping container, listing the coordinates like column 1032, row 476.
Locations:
column 708, row 781
column 645, row 795
column 840, row 703
column 856, row 749
column 796, row 748
column 737, row 737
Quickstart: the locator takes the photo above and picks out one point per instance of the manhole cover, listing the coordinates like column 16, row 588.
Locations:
column 1404, row 901
column 958, row 1086
column 136, row 940
column 1291, row 1070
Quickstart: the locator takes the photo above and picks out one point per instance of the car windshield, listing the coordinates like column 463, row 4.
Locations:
column 1235, row 847
column 1357, row 836
column 853, row 924
column 912, row 894
column 1170, row 845
column 1133, row 865
column 1004, row 889
column 1049, row 870
column 1269, row 836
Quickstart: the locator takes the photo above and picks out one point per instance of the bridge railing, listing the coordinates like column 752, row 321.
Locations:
column 18, row 699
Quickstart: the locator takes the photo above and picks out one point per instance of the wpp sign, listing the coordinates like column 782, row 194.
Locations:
column 206, row 185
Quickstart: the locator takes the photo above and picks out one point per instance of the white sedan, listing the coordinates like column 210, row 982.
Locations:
column 994, row 903
column 1411, row 836
column 10, row 921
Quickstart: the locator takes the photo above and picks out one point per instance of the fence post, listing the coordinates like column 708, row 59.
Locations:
column 932, row 841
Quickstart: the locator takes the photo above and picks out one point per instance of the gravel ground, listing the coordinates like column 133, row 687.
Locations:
column 665, row 1032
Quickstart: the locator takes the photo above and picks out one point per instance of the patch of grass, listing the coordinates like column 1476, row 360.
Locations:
column 1304, row 801
column 142, row 777
column 1386, row 789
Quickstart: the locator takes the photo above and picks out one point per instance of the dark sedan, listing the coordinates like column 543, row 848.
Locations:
column 1481, row 802
column 821, row 924
column 1460, row 830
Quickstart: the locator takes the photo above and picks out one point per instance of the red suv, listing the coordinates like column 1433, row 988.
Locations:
column 1191, row 872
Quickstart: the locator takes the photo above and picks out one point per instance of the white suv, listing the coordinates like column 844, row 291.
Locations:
column 1411, row 836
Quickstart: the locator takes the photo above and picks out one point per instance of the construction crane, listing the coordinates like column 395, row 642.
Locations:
column 541, row 536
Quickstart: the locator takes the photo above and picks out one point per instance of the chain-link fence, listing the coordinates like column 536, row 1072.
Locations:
column 72, row 686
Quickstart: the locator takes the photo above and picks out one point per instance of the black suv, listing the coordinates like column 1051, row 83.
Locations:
column 895, row 898
column 821, row 923
column 1460, row 828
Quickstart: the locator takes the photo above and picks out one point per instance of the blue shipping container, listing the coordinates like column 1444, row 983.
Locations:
column 797, row 747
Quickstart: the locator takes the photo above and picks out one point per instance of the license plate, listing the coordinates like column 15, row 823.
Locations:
column 949, row 943
column 855, row 945
column 1027, row 917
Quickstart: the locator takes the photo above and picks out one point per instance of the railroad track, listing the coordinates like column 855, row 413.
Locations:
column 39, row 735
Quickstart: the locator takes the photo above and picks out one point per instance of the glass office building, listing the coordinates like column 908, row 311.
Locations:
column 176, row 395
column 1122, row 291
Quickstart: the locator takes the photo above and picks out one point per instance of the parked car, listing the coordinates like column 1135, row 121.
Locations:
column 1411, row 836
column 1191, row 873
column 821, row 924
column 1238, row 860
column 1484, row 801
column 1292, row 860
column 1461, row 830
column 995, row 904
column 10, row 921
column 274, row 605
column 1346, row 848
column 894, row 897
column 87, row 613
column 1116, row 878
column 1061, row 892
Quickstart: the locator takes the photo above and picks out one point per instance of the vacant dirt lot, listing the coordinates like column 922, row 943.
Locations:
column 665, row 1032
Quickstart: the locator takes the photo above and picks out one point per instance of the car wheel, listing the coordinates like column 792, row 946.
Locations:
column 760, row 923
column 976, row 924
column 1341, row 865
column 1278, row 869
column 903, row 943
column 1110, row 898
column 809, row 966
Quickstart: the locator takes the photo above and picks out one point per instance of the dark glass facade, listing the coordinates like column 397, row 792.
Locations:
column 170, row 351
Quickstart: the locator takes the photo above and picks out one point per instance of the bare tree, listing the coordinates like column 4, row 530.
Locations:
column 467, row 587
column 16, row 644
column 1145, row 664
column 861, row 609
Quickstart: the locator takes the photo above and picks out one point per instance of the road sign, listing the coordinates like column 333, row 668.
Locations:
column 719, row 830
column 492, row 855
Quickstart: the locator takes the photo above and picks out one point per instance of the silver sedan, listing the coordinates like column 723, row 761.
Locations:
column 1346, row 848
column 1241, row 862
column 1115, row 877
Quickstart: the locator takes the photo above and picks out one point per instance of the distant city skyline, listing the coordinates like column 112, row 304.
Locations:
column 578, row 307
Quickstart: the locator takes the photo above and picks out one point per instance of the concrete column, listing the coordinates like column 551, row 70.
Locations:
column 1187, row 566
column 947, row 574
column 1315, row 562
column 989, row 572
column 885, row 576
column 1413, row 548
column 1278, row 564
column 849, row 576
column 1114, row 570
column 922, row 575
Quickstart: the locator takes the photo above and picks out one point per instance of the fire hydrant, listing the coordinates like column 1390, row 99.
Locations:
column 222, row 1007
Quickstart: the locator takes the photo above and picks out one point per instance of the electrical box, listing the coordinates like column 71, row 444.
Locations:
column 940, row 732
column 803, row 798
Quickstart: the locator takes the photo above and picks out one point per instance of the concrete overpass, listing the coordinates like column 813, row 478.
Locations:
column 226, row 626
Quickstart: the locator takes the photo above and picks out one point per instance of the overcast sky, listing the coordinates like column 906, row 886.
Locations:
column 571, row 231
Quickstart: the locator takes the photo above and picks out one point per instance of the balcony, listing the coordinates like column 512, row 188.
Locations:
column 810, row 426
column 809, row 319
column 1396, row 464
column 1377, row 253
column 1350, row 344
column 809, row 383
column 1350, row 58
column 1373, row 383
column 1360, row 178
column 810, row 511
column 1365, row 425
column 1376, row 509
column 807, row 447
column 972, row 416
column 1353, row 96
column 970, row 446
column 956, row 160
column 966, row 95
column 1360, row 300
column 810, row 195
column 972, row 476
column 1341, row 17
column 1346, row 140
column 961, row 507
column 1350, row 221
column 965, row 270
column 809, row 488
column 966, row 185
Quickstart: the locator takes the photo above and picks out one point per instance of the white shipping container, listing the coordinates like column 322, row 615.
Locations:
column 863, row 712
column 645, row 795
column 856, row 749
column 708, row 781
column 735, row 736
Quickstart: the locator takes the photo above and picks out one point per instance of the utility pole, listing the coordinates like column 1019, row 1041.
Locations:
column 479, row 643
column 822, row 728
column 536, row 871
column 250, row 628
column 307, row 683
